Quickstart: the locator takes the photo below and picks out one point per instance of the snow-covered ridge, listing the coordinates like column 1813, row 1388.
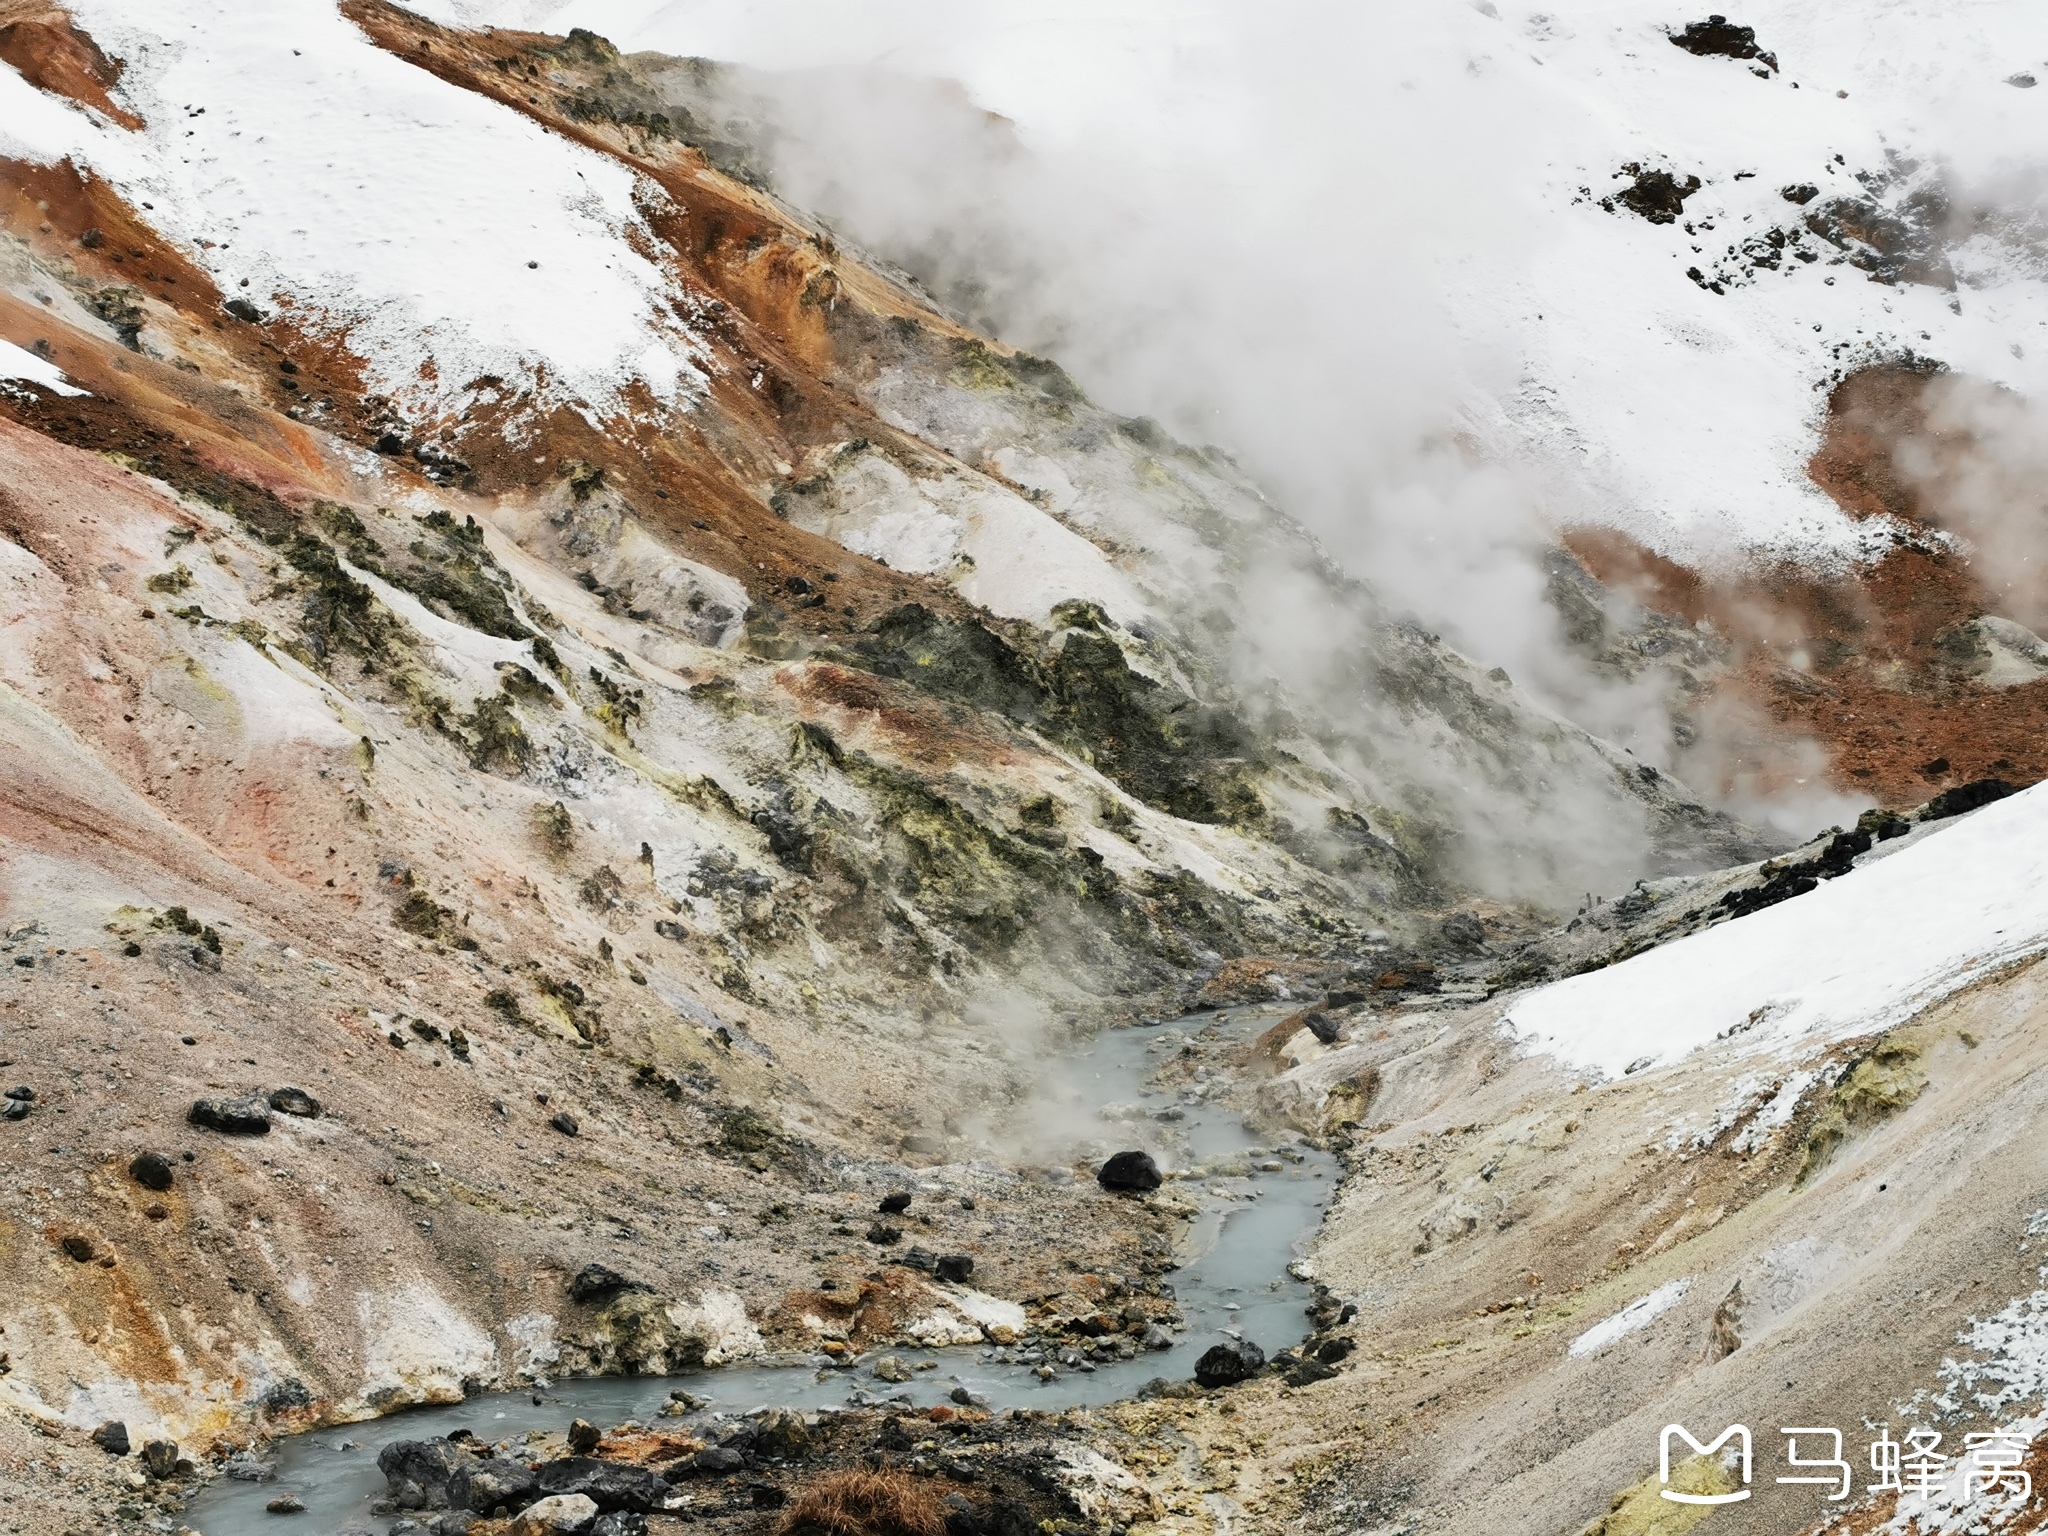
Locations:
column 1860, row 954
column 441, row 236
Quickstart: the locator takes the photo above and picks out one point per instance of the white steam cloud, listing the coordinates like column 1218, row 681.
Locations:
column 1360, row 248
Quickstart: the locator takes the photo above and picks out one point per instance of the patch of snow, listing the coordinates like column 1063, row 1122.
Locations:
column 1860, row 954
column 22, row 364
column 442, row 236
column 1636, row 1315
column 997, row 548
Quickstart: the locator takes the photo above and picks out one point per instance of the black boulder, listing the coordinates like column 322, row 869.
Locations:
column 246, row 1116
column 1134, row 1172
column 1225, row 1365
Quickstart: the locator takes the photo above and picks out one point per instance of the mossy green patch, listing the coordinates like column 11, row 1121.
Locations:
column 1641, row 1510
column 498, row 743
column 1171, row 751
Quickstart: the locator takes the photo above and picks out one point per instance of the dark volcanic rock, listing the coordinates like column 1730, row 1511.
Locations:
column 1323, row 1027
column 607, row 1484
column 77, row 1247
column 884, row 1234
column 1656, row 195
column 23, row 1092
column 1717, row 36
column 1308, row 1372
column 718, row 1461
column 895, row 1203
column 1129, row 1171
column 583, row 1436
column 246, row 1116
column 295, row 1101
column 152, row 1170
column 619, row 1522
column 1227, row 1364
column 565, row 1122
column 112, row 1437
column 484, row 1485
column 956, row 1267
column 1899, row 240
column 1967, row 797
column 595, row 1281
column 14, row 1109
column 161, row 1457
column 419, row 1471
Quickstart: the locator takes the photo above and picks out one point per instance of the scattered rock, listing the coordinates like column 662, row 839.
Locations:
column 112, row 1437
column 895, row 1203
column 1800, row 192
column 1330, row 1351
column 160, row 1457
column 922, row 1259
column 1655, row 195
column 286, row 1504
column 484, row 1485
column 22, row 1092
column 890, row 1368
column 560, row 1515
column 152, row 1170
column 1309, row 1372
column 246, row 1116
column 881, row 1232
column 782, row 1432
column 1323, row 1027
column 620, row 1522
column 717, row 1461
column 1225, row 1365
column 583, row 1437
column 79, row 1249
column 247, row 1469
column 955, row 1268
column 14, row 1109
column 1718, row 36
column 565, row 1122
column 607, row 1484
column 1156, row 1337
column 295, row 1101
column 1967, row 797
column 1129, row 1171
column 418, row 1471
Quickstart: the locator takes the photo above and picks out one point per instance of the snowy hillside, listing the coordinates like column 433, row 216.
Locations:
column 438, row 236
column 1856, row 956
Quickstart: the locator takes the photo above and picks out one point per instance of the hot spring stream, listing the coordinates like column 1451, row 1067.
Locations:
column 1258, row 1206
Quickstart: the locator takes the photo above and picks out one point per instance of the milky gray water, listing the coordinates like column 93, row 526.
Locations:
column 1260, row 1204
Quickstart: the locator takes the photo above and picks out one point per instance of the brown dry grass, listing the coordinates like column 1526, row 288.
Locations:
column 884, row 1503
